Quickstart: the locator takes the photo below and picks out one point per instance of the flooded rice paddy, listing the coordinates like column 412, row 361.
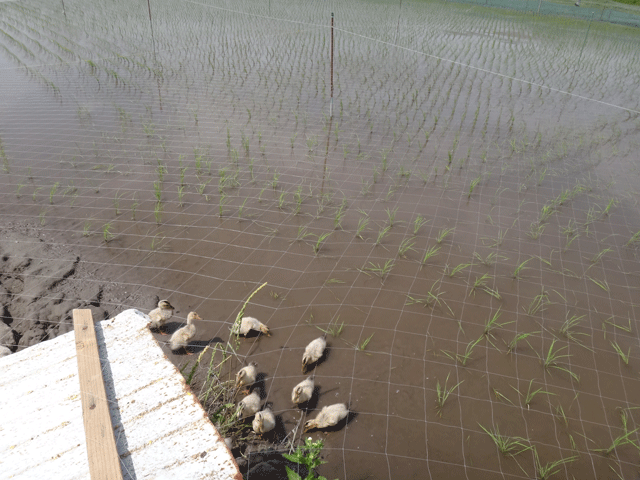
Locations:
column 469, row 215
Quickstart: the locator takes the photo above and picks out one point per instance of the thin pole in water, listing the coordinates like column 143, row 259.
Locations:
column 331, row 104
column 586, row 35
column 64, row 11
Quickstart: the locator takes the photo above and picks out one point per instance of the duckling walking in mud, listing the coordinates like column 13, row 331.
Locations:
column 303, row 391
column 181, row 337
column 328, row 417
column 313, row 352
column 160, row 315
column 248, row 324
column 247, row 376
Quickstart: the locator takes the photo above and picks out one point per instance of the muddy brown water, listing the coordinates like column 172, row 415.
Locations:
column 231, row 125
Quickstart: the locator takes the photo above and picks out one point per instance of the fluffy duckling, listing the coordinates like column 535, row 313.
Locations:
column 249, row 323
column 247, row 375
column 160, row 315
column 303, row 391
column 313, row 352
column 264, row 421
column 182, row 336
column 249, row 405
column 328, row 417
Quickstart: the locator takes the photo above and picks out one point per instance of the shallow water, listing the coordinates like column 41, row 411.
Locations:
column 223, row 116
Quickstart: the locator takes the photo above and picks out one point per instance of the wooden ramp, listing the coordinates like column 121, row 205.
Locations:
column 161, row 431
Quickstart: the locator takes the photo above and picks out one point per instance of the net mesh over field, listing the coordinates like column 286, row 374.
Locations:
column 601, row 11
column 465, row 226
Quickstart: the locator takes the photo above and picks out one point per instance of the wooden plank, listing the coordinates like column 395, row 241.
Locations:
column 104, row 461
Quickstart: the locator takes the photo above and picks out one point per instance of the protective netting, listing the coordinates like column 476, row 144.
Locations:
column 465, row 226
column 600, row 11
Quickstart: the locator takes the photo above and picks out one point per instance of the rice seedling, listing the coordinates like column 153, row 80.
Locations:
column 156, row 243
column 157, row 190
column 221, row 204
column 406, row 245
column 333, row 328
column 538, row 304
column 462, row 359
column 622, row 439
column 459, row 268
column 339, row 216
column 624, row 328
column 443, row 234
column 116, row 202
column 560, row 415
column 520, row 268
column 552, row 358
column 443, row 392
column 602, row 284
column 513, row 344
column 492, row 324
column 363, row 345
column 107, row 233
column 157, row 212
column 598, row 256
column 473, row 184
column 499, row 396
column 495, row 242
column 381, row 270
column 418, row 223
column 274, row 181
column 508, row 446
column 391, row 215
column 536, row 229
column 42, row 216
column 281, row 199
column 623, row 356
column 490, row 259
column 612, row 203
column 568, row 329
column 531, row 394
column 362, row 224
column 429, row 254
column 320, row 240
column 86, row 228
column 302, row 234
column 381, row 234
column 634, row 240
column 544, row 472
column 52, row 192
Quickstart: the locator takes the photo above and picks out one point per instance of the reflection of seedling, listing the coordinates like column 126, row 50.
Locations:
column 602, row 284
column 443, row 393
column 302, row 234
column 497, row 242
column 42, row 216
column 530, row 395
column 157, row 212
column 509, row 446
column 597, row 257
column 340, row 213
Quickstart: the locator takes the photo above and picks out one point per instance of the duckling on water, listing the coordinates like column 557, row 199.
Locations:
column 182, row 336
column 328, row 417
column 249, row 405
column 247, row 375
column 264, row 422
column 249, row 323
column 160, row 315
column 303, row 391
column 313, row 352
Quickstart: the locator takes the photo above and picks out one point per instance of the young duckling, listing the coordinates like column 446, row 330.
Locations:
column 303, row 391
column 249, row 405
column 249, row 323
column 247, row 375
column 182, row 336
column 328, row 417
column 160, row 315
column 264, row 422
column 313, row 352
